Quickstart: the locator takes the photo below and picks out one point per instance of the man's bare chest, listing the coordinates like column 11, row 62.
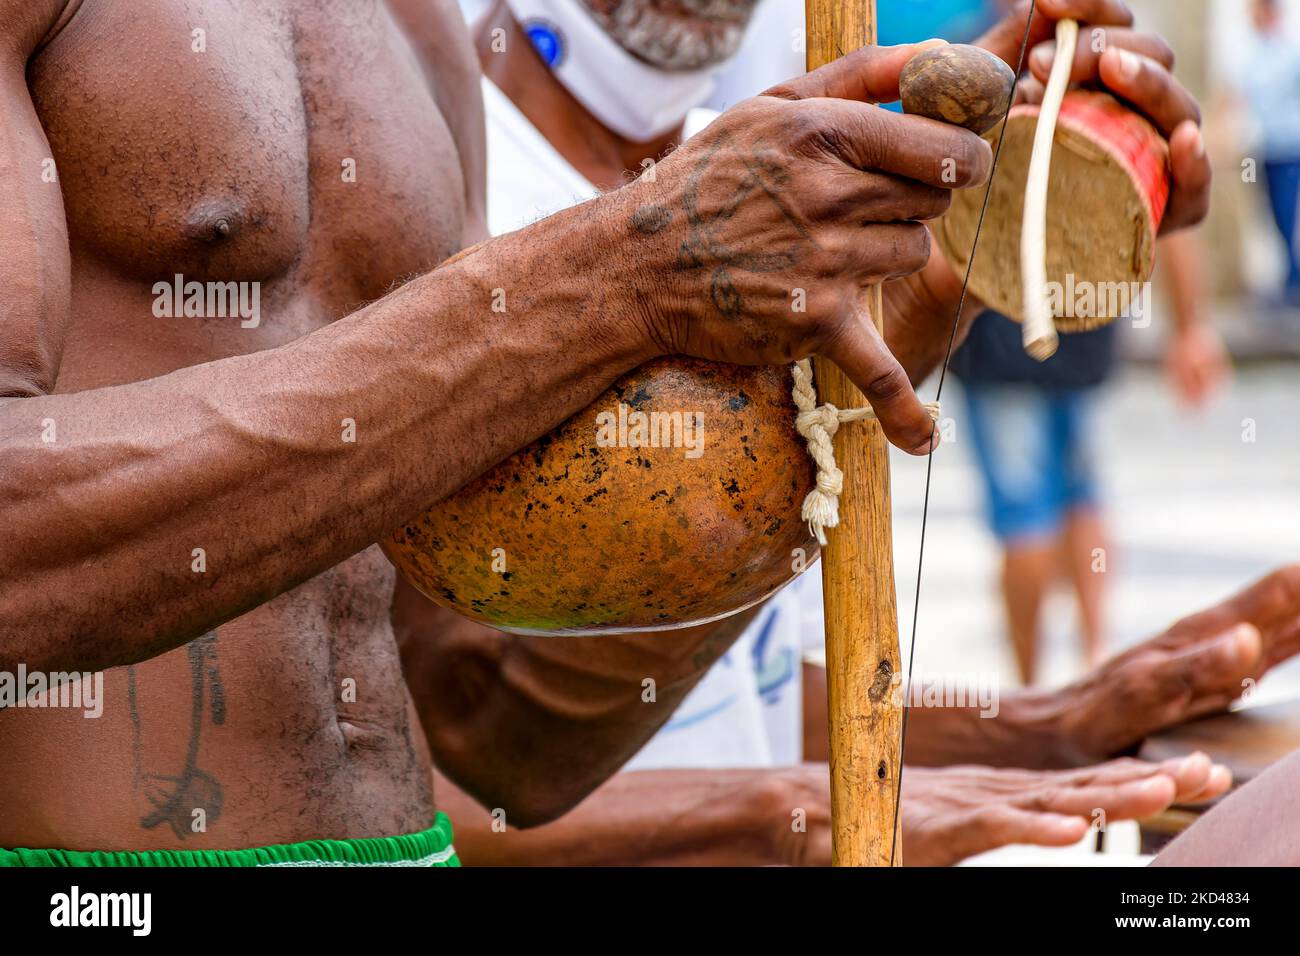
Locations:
column 290, row 145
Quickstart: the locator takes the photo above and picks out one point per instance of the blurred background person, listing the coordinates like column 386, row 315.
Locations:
column 1269, row 89
column 1031, row 423
column 1032, row 427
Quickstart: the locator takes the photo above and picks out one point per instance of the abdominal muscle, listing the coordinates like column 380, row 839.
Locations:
column 290, row 723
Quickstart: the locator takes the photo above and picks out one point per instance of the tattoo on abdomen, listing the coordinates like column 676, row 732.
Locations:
column 707, row 246
column 175, row 797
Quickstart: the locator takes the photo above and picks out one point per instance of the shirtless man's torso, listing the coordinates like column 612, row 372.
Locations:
column 223, row 155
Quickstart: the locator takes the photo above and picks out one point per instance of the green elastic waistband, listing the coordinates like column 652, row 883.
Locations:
column 430, row 848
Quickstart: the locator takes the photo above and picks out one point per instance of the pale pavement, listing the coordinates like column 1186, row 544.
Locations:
column 1194, row 512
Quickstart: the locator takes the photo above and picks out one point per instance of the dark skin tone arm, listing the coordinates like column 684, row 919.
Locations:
column 35, row 262
column 263, row 481
column 715, row 817
column 919, row 309
column 1199, row 666
column 781, row 816
column 502, row 712
column 448, row 59
column 244, row 458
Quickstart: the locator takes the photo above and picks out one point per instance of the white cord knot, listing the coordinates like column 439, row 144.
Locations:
column 817, row 425
column 830, row 482
column 827, row 417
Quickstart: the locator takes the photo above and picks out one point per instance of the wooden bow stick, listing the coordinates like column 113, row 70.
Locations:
column 862, row 653
column 968, row 87
column 1039, row 328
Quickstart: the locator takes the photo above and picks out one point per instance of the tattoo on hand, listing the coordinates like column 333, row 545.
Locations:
column 708, row 245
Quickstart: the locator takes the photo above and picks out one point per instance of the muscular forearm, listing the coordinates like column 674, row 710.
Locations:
column 108, row 495
column 1023, row 731
column 535, row 724
column 1018, row 729
column 640, row 818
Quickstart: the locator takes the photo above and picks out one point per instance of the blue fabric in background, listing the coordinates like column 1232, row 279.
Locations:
column 1283, row 181
column 1035, row 455
column 994, row 352
column 911, row 21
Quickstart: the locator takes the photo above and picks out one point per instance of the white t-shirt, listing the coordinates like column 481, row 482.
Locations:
column 747, row 711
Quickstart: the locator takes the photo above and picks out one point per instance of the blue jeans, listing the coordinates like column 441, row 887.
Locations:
column 1283, row 180
column 1034, row 453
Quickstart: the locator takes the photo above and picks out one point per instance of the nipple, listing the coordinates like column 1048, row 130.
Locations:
column 214, row 221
